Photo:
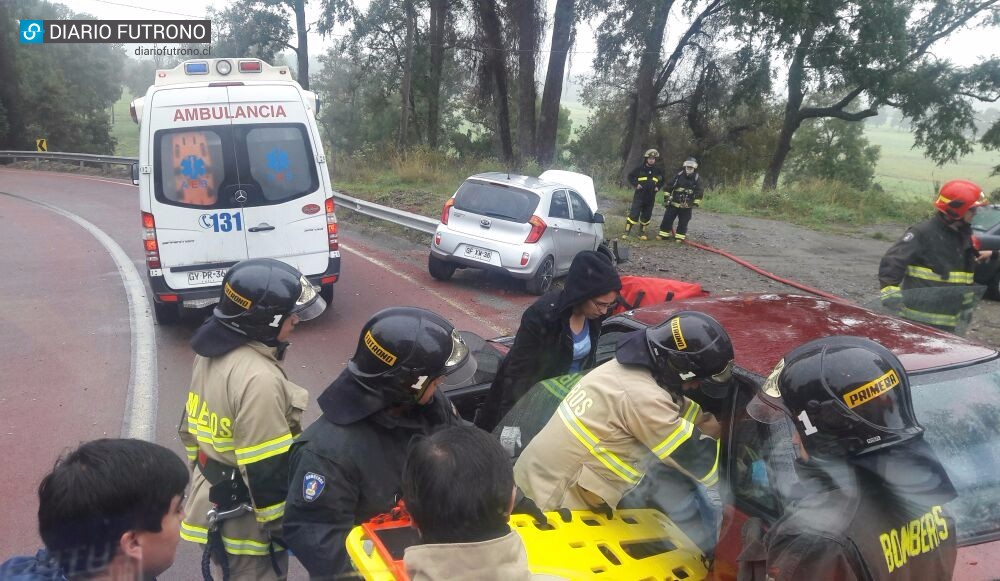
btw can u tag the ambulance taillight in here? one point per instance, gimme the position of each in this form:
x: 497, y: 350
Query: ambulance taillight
x: 331, y: 226
x: 149, y: 241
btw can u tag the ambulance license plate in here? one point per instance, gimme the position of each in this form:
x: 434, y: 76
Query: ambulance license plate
x: 477, y: 253
x: 206, y: 277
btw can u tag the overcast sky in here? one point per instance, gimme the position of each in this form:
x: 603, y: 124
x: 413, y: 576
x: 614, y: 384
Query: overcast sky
x: 964, y: 48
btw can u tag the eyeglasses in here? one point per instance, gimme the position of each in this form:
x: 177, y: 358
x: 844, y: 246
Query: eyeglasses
x: 603, y: 305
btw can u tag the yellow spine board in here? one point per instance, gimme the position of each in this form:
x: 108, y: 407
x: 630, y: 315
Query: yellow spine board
x: 633, y: 544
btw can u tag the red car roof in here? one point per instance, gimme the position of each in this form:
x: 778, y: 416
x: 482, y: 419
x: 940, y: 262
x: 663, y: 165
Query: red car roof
x: 764, y: 327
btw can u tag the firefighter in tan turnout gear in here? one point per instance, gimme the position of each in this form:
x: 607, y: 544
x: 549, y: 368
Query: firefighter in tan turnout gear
x: 589, y: 453
x: 242, y: 414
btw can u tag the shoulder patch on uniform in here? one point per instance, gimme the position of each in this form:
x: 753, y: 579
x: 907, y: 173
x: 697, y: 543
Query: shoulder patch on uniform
x: 908, y: 236
x: 312, y: 486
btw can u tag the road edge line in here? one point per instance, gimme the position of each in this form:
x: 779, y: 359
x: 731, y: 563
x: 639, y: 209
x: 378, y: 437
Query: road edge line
x: 139, y: 416
x: 408, y: 278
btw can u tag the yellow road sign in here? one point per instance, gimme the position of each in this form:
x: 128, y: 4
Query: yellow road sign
x: 42, y: 144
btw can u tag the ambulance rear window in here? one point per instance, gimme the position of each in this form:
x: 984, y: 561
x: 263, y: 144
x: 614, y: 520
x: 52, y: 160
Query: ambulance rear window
x: 191, y: 166
x: 280, y: 161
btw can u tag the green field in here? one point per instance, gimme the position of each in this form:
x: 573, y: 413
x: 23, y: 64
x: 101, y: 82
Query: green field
x: 905, y: 171
x: 124, y: 130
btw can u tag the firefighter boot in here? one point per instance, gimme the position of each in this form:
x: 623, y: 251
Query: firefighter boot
x: 664, y: 235
x: 628, y: 227
x: 679, y: 238
x: 642, y: 230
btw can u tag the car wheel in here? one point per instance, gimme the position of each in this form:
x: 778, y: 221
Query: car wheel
x: 166, y: 313
x: 993, y: 288
x: 542, y: 281
x: 603, y: 249
x: 440, y: 269
x: 326, y: 292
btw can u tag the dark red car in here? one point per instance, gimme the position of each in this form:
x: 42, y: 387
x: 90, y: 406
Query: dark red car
x: 956, y: 393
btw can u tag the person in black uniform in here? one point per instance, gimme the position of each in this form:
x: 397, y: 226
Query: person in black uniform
x: 869, y: 501
x: 938, y: 253
x: 347, y: 466
x: 684, y: 193
x: 647, y: 179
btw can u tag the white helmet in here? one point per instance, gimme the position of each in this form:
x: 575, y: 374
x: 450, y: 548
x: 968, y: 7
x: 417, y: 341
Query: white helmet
x: 691, y: 163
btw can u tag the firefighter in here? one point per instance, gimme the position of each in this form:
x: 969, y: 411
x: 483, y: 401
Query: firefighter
x: 242, y: 413
x: 647, y: 179
x: 683, y: 194
x: 347, y: 466
x: 938, y: 253
x: 870, y: 491
x: 588, y: 454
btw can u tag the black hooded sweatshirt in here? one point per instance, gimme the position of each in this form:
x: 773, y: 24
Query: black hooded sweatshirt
x: 543, y: 346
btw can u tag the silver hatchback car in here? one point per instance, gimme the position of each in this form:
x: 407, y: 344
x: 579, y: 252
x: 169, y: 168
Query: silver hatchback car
x: 530, y: 228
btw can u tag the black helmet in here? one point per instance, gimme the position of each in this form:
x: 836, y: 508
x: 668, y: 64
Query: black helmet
x: 259, y: 294
x: 691, y: 345
x: 845, y: 395
x: 400, y: 345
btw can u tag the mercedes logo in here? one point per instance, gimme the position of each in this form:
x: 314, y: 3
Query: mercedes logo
x: 240, y: 196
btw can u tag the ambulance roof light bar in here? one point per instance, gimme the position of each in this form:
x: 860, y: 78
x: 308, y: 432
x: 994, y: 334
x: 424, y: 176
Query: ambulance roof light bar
x: 208, y: 70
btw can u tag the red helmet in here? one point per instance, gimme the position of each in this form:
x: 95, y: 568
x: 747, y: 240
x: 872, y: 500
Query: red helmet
x: 957, y: 197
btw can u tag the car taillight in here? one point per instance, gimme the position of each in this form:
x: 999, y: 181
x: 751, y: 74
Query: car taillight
x: 149, y: 241
x: 537, y: 229
x: 447, y: 210
x: 331, y: 226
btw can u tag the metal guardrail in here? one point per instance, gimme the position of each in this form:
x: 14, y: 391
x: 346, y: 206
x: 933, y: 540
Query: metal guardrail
x: 81, y: 158
x: 400, y: 217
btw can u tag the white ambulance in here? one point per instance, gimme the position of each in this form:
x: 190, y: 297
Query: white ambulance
x: 230, y: 167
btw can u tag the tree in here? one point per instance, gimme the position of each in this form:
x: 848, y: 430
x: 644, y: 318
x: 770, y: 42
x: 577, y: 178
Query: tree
x: 833, y: 149
x: 870, y: 54
x: 250, y: 28
x: 526, y: 21
x: 548, y: 123
x: 493, y: 74
x: 63, y: 91
x: 405, y: 87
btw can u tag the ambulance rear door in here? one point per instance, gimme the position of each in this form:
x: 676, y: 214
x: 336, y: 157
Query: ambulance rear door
x: 284, y: 214
x: 196, y: 201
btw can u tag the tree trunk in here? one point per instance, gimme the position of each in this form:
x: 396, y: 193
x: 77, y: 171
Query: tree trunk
x: 439, y: 17
x: 497, y: 67
x: 8, y: 88
x: 793, y: 117
x: 548, y: 123
x: 527, y: 37
x: 299, y: 6
x: 645, y: 97
x: 407, y: 81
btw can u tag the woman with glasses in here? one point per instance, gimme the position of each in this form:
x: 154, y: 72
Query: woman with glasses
x: 558, y: 334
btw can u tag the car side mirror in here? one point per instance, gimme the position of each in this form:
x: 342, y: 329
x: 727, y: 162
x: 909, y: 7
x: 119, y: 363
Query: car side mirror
x: 598, y: 218
x: 135, y: 174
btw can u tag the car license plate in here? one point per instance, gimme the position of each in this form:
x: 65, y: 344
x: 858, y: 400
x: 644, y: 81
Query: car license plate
x: 477, y: 253
x: 205, y: 277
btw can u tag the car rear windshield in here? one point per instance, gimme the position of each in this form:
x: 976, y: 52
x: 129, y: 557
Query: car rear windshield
x: 986, y: 218
x: 496, y: 201
x: 204, y: 167
x: 960, y: 412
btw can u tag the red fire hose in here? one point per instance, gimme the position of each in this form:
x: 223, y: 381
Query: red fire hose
x: 763, y: 272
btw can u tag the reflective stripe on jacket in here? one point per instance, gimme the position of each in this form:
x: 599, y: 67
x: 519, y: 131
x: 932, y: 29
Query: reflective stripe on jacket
x: 241, y: 411
x: 596, y: 443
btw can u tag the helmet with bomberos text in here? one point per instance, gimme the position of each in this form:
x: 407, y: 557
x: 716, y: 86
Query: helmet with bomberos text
x: 846, y: 396
x: 957, y: 197
x: 689, y: 346
x: 400, y: 349
x: 258, y: 295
